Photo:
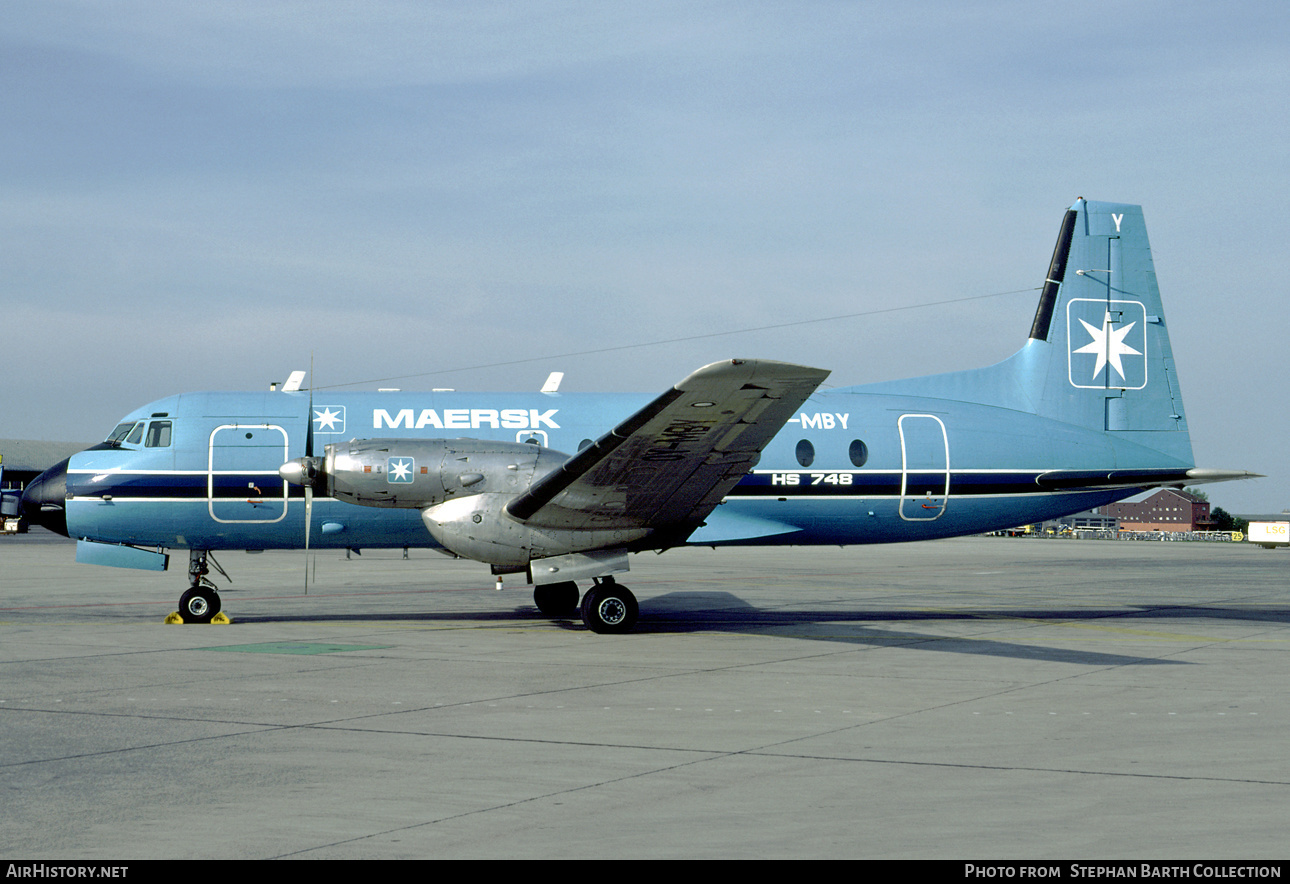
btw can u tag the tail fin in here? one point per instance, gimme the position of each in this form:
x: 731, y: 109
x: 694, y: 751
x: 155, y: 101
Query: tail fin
x: 1100, y: 329
x: 1098, y: 354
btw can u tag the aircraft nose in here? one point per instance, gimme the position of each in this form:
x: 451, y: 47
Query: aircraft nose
x: 44, y: 501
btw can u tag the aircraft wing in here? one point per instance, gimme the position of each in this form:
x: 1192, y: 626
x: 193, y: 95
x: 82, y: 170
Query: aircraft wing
x: 667, y: 466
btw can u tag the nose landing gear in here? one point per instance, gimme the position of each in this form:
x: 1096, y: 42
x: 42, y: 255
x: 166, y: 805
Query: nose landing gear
x: 200, y: 603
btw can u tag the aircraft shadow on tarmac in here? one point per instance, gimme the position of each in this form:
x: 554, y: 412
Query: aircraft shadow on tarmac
x: 724, y: 613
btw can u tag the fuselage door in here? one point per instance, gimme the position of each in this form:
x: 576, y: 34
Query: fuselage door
x: 924, y: 467
x: 242, y: 481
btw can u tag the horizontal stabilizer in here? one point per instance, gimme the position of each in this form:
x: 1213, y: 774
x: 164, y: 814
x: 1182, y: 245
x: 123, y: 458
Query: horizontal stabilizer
x: 1090, y: 480
x: 1201, y: 477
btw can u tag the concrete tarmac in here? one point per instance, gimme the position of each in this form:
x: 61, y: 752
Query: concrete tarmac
x: 979, y: 698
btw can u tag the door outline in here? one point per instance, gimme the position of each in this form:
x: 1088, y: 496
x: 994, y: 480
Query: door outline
x: 921, y: 437
x: 276, y: 506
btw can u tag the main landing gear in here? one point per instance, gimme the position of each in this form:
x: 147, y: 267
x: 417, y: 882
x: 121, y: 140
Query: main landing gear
x: 201, y: 602
x: 557, y: 599
x: 606, y: 608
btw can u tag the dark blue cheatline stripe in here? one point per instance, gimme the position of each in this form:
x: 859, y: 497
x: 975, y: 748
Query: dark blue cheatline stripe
x: 809, y: 483
x: 803, y: 483
x: 850, y: 484
x: 132, y: 486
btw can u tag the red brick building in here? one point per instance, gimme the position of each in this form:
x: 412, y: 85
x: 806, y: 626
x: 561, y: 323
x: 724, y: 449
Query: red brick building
x: 1166, y: 510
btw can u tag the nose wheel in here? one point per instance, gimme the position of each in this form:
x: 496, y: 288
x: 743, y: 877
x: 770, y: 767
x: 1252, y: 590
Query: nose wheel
x: 199, y: 604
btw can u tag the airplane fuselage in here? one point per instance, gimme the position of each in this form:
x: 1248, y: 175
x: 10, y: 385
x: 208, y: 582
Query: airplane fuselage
x: 851, y: 467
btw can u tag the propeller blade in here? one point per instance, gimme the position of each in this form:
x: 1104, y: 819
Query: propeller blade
x: 309, y: 517
x: 309, y: 452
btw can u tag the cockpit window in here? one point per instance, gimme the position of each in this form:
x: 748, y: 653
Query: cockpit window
x: 121, y: 431
x: 158, y: 435
x: 132, y: 433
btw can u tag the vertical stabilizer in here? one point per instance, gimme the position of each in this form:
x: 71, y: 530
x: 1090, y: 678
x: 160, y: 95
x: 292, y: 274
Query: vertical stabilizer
x: 1101, y: 329
x: 1098, y: 355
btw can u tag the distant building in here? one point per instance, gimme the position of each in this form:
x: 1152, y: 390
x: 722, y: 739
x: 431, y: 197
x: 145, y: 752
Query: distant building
x: 24, y: 459
x: 1166, y: 510
x: 1089, y: 520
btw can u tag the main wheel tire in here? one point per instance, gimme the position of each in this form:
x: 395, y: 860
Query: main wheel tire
x: 557, y: 599
x: 199, y: 604
x: 609, y: 608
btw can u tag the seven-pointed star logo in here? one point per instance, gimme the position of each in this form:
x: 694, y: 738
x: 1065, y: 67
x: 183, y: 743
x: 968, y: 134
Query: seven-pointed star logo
x: 400, y: 469
x: 327, y: 419
x: 1108, y: 345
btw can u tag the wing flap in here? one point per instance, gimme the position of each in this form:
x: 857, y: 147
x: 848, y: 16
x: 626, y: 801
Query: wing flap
x: 671, y: 463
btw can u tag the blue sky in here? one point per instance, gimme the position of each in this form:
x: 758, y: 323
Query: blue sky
x: 202, y: 196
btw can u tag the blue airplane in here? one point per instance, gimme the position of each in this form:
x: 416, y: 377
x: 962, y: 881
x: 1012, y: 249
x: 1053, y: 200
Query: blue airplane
x: 743, y: 452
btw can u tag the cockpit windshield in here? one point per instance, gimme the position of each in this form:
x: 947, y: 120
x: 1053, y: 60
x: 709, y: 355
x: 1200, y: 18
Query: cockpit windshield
x: 132, y: 433
x: 122, y: 430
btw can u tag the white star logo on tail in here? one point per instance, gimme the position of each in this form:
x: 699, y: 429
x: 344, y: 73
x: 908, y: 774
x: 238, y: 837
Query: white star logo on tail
x: 1108, y: 345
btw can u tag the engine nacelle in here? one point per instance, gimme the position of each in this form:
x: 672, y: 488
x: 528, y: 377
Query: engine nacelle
x: 414, y: 473
x: 478, y: 527
x: 462, y: 487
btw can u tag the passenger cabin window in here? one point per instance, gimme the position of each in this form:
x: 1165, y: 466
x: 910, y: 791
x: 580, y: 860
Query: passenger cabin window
x: 158, y: 435
x: 805, y: 453
x: 858, y: 452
